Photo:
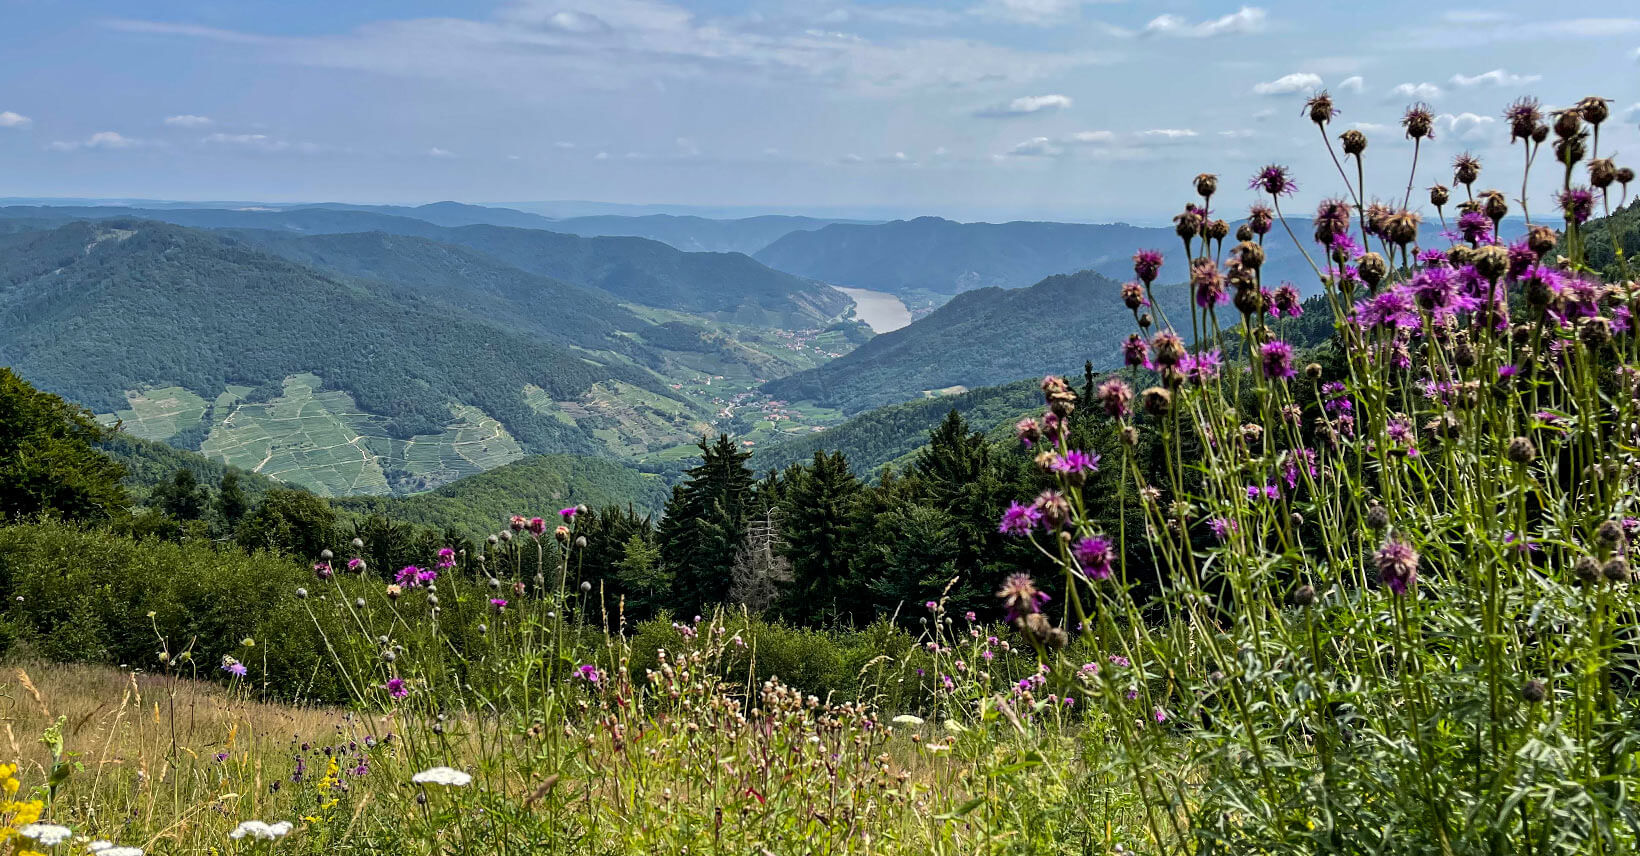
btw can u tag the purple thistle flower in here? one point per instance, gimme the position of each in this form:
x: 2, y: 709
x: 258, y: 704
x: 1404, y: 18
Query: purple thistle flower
x: 1135, y: 353
x: 355, y: 565
x: 568, y: 513
x: 589, y: 673
x: 1147, y: 264
x: 1075, y: 462
x: 1278, y: 360
x: 1095, y: 554
x: 1577, y: 203
x: 498, y: 603
x: 1020, y: 596
x: 446, y: 557
x: 1397, y: 565
x: 1273, y: 180
x: 1199, y: 368
x: 1019, y: 519
x: 322, y: 569
x: 1222, y: 528
x: 395, y: 687
x: 1116, y: 396
x: 1286, y: 301
x: 1208, y: 282
x: 1475, y: 227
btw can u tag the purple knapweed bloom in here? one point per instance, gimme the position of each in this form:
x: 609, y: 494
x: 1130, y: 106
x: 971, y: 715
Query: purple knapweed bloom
x: 1286, y: 301
x: 1075, y: 462
x: 446, y: 558
x: 1095, y: 554
x: 1020, y: 596
x: 1116, y: 397
x: 1577, y: 203
x: 537, y: 526
x: 1475, y: 227
x: 1019, y: 519
x: 395, y: 687
x: 1397, y: 565
x: 355, y: 565
x: 1221, y: 527
x: 589, y: 673
x: 1147, y: 264
x: 1135, y: 353
x: 1273, y: 180
x: 322, y: 569
x: 498, y: 603
x: 568, y: 513
x: 1277, y: 357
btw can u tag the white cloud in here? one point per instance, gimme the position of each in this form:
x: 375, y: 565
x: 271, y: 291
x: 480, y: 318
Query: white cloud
x: 258, y: 143
x: 1631, y: 113
x: 1419, y: 91
x: 1371, y: 127
x: 437, y: 152
x: 99, y: 140
x: 1091, y: 138
x: 1495, y: 77
x: 1353, y: 84
x: 1036, y: 147
x: 647, y: 42
x: 1248, y: 19
x: 851, y: 158
x: 601, y: 156
x: 8, y: 119
x: 1466, y: 127
x: 1025, y: 106
x: 687, y: 147
x: 1475, y: 16
x: 1298, y: 81
x: 1171, y: 133
x: 188, y: 120
x: 1030, y: 11
x: 1240, y: 134
x: 563, y: 144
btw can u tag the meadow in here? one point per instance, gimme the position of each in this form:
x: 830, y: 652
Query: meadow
x: 1393, y: 608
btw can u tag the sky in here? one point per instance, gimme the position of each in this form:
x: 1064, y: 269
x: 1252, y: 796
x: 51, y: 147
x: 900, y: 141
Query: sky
x: 971, y: 109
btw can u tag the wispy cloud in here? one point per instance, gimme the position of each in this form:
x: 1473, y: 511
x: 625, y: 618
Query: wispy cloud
x: 1171, y: 133
x: 188, y: 120
x: 1025, y: 106
x: 258, y: 143
x: 1354, y: 83
x: 1422, y: 91
x: 1103, y: 143
x: 9, y: 119
x: 1288, y: 84
x: 1495, y: 77
x: 437, y: 152
x: 1466, y: 127
x: 1248, y: 19
x: 99, y: 140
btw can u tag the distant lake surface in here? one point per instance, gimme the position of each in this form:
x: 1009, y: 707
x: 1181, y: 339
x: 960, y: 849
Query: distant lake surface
x: 881, y: 311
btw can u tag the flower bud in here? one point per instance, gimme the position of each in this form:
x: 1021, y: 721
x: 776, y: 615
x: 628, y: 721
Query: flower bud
x: 1304, y: 595
x: 1157, y: 401
x: 1520, y: 451
x: 1377, y: 517
x: 1372, y: 268
x: 1586, y: 569
x: 1492, y: 262
x: 358, y: 543
x: 1439, y: 195
x: 1355, y: 142
x: 1250, y: 254
x: 1616, y: 570
x: 1534, y: 691
x: 1608, y: 534
x: 1594, y: 109
x: 1541, y: 240
x: 1244, y: 232
x: 1568, y: 123
x: 1207, y: 184
x: 1602, y: 172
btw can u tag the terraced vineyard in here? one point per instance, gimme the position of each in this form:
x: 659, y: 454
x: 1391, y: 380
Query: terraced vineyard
x: 319, y: 438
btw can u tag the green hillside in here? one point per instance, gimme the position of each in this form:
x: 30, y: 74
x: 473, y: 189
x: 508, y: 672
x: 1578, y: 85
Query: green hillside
x: 981, y: 338
x: 891, y: 433
x: 535, y: 486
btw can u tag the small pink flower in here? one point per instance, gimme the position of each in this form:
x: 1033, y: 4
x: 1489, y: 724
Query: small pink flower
x: 395, y: 687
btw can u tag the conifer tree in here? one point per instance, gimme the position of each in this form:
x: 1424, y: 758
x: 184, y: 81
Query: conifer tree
x: 48, y: 458
x: 704, y: 525
x: 815, y: 512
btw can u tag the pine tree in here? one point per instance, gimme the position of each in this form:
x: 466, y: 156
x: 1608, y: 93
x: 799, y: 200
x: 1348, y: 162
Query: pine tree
x: 704, y: 525
x: 48, y: 458
x: 231, y: 501
x: 814, y: 524
x: 181, y: 498
x: 760, y: 573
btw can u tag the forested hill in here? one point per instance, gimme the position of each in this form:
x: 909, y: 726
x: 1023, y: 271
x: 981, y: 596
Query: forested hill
x: 980, y: 338
x: 894, y: 432
x: 726, y: 286
x: 91, y: 310
x: 933, y: 254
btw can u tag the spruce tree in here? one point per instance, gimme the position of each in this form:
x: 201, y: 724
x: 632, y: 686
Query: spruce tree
x: 704, y: 525
x: 815, y: 512
x: 231, y: 501
x: 48, y: 457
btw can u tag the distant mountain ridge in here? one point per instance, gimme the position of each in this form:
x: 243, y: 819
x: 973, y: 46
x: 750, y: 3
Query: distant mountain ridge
x: 696, y: 234
x: 984, y: 337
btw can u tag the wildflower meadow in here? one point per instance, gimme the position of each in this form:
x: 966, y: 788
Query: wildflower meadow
x: 1392, y: 607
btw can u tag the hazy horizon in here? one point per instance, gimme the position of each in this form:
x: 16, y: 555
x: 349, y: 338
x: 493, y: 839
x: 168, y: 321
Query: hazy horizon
x: 973, y: 110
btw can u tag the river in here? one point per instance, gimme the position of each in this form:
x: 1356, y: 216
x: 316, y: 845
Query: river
x: 881, y: 311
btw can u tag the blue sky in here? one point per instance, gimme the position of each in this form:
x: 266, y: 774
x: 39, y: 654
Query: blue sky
x: 975, y: 109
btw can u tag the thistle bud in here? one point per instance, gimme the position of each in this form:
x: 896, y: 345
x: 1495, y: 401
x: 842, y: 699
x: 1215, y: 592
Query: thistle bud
x: 1377, y: 517
x: 1145, y: 321
x: 1595, y: 332
x: 1216, y: 230
x: 1492, y: 262
x: 1540, y: 133
x: 586, y: 587
x: 1624, y: 176
x: 1402, y: 227
x: 358, y: 543
x: 1354, y: 142
x: 1616, y: 570
x: 580, y: 542
x: 1373, y: 269
x: 1608, y: 534
x: 1320, y: 108
x: 1602, y: 172
x: 1206, y: 184
x: 1586, y: 570
x: 1541, y: 240
x: 1570, y: 150
x: 1594, y: 109
x: 1439, y: 195
x: 1520, y: 450
x: 1130, y: 436
x: 1250, y: 254
x: 1465, y: 169
x: 1496, y: 205
x: 326, y: 555
x: 1157, y: 401
x: 1244, y: 232
x: 1534, y: 691
x: 1313, y: 371
x: 1568, y: 123
x: 1304, y: 596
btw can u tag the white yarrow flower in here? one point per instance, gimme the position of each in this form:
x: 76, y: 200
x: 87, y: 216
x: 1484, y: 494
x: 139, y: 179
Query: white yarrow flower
x: 258, y: 830
x: 908, y: 719
x: 48, y: 834
x: 442, y: 776
x: 109, y: 848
